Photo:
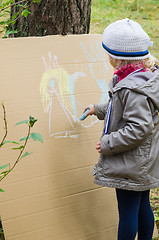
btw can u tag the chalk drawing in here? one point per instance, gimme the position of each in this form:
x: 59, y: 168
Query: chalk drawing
x: 57, y: 82
x: 96, y: 57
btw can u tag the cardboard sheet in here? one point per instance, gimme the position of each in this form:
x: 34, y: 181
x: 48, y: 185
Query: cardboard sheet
x: 51, y: 195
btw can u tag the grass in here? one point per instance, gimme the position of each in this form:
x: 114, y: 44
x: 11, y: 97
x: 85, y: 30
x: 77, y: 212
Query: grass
x: 144, y: 12
x: 154, y: 199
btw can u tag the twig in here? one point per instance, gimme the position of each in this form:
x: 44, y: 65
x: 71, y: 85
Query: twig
x: 12, y: 5
x: 13, y: 20
x: 19, y: 156
x: 5, y: 123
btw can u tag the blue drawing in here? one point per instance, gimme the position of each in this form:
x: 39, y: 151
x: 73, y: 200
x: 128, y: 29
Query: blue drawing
x: 96, y: 56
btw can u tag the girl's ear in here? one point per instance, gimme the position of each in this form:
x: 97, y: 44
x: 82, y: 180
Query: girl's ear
x: 115, y: 62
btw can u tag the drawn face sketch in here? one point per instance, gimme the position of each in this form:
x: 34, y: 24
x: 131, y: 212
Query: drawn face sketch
x: 98, y: 66
x: 57, y: 82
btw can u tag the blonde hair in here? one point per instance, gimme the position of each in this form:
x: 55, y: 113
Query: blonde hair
x: 149, y: 63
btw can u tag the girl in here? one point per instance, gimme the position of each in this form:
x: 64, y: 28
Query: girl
x: 129, y: 146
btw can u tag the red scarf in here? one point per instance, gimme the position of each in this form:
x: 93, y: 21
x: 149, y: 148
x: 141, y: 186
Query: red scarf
x: 124, y: 71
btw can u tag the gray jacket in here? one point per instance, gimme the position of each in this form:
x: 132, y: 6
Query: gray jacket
x: 130, y: 150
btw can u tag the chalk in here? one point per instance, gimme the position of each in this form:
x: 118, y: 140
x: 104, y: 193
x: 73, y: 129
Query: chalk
x: 84, y: 115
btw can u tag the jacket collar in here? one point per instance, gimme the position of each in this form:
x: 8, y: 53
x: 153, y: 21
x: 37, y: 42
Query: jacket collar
x: 131, y: 82
x: 128, y: 69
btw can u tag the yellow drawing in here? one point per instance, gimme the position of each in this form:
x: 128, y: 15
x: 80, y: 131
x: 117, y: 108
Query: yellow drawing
x: 57, y: 81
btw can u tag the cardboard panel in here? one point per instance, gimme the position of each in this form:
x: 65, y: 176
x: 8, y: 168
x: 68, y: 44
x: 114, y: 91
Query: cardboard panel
x: 51, y: 194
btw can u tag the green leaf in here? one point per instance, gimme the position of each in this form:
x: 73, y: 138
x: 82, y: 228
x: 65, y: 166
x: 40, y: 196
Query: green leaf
x: 10, y: 142
x: 4, y: 166
x: 18, y: 148
x: 25, y: 154
x: 1, y: 190
x: 9, y: 32
x: 36, y: 1
x: 24, y: 138
x: 24, y: 121
x: 25, y: 13
x: 6, y: 171
x: 2, y: 22
x: 8, y: 21
x: 32, y: 121
x: 2, y: 15
x: 36, y: 137
x: 22, y: 6
x: 7, y: 11
x: 5, y: 4
x: 15, y: 15
x: 156, y: 218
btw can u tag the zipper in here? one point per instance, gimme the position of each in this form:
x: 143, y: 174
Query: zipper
x: 107, y: 121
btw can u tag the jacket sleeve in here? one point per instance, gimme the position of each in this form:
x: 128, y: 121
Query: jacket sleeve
x: 100, y: 110
x: 139, y: 124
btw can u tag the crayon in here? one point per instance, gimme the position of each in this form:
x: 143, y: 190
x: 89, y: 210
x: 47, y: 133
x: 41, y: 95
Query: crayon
x: 84, y: 115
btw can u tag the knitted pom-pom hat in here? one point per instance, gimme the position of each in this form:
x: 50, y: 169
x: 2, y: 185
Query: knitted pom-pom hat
x: 125, y: 39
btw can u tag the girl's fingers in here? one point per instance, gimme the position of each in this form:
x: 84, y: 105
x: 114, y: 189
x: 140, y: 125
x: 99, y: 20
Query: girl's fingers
x: 88, y: 113
x: 91, y: 111
x: 86, y: 108
x: 98, y: 146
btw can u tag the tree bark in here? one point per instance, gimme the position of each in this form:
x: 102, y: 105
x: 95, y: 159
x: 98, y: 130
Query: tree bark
x: 51, y: 17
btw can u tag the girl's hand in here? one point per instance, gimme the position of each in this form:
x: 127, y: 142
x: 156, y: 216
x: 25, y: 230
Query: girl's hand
x: 98, y: 147
x: 91, y: 111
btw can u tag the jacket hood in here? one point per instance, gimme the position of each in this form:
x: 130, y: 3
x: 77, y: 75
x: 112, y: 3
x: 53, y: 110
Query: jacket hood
x: 146, y: 83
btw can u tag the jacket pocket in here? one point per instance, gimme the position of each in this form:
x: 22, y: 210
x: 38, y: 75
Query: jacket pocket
x: 130, y: 165
x: 135, y: 162
x: 134, y: 165
x: 146, y: 146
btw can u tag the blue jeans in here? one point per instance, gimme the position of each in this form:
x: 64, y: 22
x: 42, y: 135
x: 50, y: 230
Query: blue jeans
x: 135, y: 215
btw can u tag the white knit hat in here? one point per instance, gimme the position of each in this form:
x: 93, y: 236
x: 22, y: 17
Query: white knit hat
x: 125, y: 39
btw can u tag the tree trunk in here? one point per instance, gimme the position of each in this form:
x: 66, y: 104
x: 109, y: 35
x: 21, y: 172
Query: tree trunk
x: 51, y: 17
